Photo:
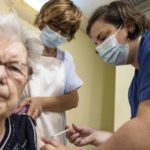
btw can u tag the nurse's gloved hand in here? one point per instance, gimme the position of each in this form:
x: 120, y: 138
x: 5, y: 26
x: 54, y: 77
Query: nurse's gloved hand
x: 34, y: 105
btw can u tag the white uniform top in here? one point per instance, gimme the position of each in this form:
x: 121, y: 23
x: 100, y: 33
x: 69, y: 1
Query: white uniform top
x: 53, y: 77
x: 72, y: 80
x: 48, y: 80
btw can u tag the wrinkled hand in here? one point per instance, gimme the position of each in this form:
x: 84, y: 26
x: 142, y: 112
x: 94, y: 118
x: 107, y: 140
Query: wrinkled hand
x: 51, y: 144
x: 81, y: 136
x: 34, y: 104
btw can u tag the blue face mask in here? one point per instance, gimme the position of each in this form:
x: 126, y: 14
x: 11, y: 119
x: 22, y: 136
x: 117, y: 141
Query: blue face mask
x: 51, y: 38
x: 112, y: 52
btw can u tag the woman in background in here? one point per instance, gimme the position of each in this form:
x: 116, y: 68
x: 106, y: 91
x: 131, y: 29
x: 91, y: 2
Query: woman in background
x: 54, y: 89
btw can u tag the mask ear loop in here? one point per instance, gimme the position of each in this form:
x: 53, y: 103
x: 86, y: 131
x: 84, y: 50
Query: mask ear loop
x: 118, y: 29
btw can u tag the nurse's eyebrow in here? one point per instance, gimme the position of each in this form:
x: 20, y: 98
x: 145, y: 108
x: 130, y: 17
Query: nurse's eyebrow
x: 98, y: 37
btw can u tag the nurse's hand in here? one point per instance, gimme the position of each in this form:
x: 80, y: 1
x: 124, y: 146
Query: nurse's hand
x: 83, y: 135
x: 34, y: 105
x: 51, y: 144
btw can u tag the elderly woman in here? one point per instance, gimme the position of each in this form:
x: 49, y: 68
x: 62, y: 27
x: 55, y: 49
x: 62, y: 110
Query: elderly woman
x: 16, y: 52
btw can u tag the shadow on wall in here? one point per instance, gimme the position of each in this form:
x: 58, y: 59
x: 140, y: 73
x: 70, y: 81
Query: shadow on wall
x: 104, y: 105
x: 108, y: 103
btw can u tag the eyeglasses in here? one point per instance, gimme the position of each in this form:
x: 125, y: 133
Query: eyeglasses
x: 17, y: 70
x: 55, y: 27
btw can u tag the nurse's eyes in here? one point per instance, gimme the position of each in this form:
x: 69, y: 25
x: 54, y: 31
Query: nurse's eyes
x: 101, y: 38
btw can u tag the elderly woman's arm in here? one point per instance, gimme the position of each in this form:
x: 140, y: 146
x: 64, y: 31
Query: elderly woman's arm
x: 44, y: 143
x: 50, y: 144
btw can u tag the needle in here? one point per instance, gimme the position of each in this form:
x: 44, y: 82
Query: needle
x: 62, y: 132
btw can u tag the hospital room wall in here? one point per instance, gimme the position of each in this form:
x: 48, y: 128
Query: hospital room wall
x: 96, y: 104
x: 3, y: 6
x: 124, y: 75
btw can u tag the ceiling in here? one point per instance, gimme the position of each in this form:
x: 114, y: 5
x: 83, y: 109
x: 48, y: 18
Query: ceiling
x: 87, y: 6
x: 28, y: 13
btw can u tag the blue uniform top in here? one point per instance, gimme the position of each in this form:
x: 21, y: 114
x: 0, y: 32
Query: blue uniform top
x: 140, y: 86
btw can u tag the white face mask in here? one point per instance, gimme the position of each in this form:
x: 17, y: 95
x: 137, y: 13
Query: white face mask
x: 51, y: 38
x: 112, y: 52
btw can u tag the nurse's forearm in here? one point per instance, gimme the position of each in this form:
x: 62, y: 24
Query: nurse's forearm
x: 134, y: 135
x: 60, y: 103
x: 127, y: 137
x: 101, y: 137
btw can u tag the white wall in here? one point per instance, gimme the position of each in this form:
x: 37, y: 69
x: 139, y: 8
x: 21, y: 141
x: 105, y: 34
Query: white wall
x: 4, y: 7
x: 96, y: 104
x: 124, y: 76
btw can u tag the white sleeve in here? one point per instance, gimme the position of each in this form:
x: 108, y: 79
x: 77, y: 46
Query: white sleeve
x: 72, y: 80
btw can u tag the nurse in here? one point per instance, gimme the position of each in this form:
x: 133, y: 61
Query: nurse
x: 54, y: 88
x: 122, y: 36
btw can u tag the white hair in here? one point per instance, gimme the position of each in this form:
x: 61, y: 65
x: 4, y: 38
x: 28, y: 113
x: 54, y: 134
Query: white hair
x: 11, y: 27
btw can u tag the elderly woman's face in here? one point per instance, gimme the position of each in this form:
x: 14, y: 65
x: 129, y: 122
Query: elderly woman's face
x: 13, y: 74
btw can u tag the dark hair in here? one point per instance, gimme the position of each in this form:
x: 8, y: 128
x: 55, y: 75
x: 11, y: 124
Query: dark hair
x: 62, y: 13
x: 118, y: 13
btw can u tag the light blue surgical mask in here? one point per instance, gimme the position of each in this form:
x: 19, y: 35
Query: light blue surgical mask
x: 51, y: 38
x: 112, y: 52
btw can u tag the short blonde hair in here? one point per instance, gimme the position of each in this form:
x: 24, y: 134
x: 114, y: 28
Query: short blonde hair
x: 61, y: 13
